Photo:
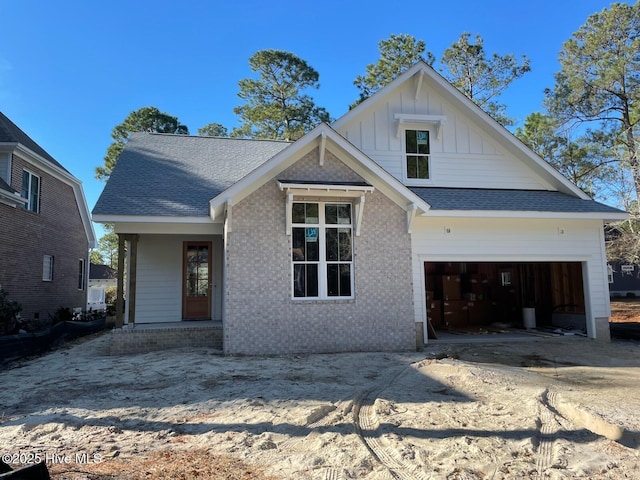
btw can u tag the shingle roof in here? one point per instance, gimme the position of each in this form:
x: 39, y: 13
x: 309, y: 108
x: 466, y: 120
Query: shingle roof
x: 11, y: 133
x: 177, y: 175
x: 507, y: 200
x: 102, y: 272
x: 5, y: 186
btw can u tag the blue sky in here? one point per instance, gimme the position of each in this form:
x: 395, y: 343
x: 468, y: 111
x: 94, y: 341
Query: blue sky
x: 70, y: 71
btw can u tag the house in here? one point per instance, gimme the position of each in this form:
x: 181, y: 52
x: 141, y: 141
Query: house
x: 624, y: 279
x: 101, y: 277
x: 414, y: 209
x: 46, y: 229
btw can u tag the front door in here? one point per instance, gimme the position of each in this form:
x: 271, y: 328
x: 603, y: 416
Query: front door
x: 196, y: 286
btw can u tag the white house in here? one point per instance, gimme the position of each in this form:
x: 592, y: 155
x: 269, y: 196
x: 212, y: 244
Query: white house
x: 415, y: 206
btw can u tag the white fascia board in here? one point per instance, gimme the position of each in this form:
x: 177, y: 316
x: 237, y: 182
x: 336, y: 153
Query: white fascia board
x: 526, y: 214
x: 148, y: 219
x: 328, y: 188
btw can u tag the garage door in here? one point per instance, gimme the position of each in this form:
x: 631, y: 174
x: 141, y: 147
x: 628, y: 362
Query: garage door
x: 485, y: 297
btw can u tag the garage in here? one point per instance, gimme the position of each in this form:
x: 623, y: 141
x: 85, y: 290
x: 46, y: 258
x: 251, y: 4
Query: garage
x: 492, y: 297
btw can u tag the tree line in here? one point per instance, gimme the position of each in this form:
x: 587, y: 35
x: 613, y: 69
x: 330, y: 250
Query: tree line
x: 587, y: 129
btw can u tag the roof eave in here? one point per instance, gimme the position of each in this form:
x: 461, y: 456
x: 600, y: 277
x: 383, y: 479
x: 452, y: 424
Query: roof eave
x: 604, y: 216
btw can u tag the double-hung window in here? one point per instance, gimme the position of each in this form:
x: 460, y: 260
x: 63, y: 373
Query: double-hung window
x: 31, y: 191
x: 322, y: 250
x: 417, y: 153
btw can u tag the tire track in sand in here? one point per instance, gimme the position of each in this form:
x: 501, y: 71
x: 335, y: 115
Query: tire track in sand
x: 366, y: 424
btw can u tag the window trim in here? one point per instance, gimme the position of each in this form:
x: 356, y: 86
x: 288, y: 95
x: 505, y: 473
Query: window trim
x: 82, y: 274
x: 322, y: 261
x: 405, y: 175
x: 31, y: 175
x: 47, y: 268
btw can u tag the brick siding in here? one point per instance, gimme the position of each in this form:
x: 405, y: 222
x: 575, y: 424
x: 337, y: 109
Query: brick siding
x: 261, y: 316
x: 141, y: 340
x: 25, y: 237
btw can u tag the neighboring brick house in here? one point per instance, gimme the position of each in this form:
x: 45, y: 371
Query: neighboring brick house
x: 45, y: 228
x: 343, y: 240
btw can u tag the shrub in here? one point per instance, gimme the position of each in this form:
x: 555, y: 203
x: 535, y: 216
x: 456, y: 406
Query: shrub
x: 631, y: 295
x: 9, y: 311
x: 62, y: 314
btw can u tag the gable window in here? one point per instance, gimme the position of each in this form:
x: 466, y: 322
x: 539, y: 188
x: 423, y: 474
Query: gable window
x: 31, y: 191
x: 47, y: 268
x: 322, y: 250
x: 81, y: 274
x: 417, y: 153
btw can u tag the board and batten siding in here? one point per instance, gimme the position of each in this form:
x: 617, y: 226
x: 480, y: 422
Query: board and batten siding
x: 159, y: 277
x: 463, y: 156
x: 513, y: 240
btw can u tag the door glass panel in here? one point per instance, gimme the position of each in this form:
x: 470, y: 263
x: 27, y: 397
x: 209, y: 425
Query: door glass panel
x: 197, y: 271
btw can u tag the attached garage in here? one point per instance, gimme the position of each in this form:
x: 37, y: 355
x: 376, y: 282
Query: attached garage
x: 485, y: 297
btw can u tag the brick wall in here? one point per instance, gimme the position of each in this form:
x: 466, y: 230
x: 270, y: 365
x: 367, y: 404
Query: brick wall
x: 142, y: 340
x: 262, y: 317
x: 25, y: 237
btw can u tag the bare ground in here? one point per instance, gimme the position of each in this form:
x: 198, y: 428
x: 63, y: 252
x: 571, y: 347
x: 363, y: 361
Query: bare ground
x: 562, y: 408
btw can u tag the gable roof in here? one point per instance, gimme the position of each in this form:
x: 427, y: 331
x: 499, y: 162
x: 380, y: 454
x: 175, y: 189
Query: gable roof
x: 12, y: 134
x: 458, y: 201
x: 165, y: 175
x: 13, y: 137
x: 325, y: 137
x: 426, y: 76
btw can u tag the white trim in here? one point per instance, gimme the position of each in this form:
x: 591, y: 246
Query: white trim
x: 326, y: 190
x: 526, y: 214
x: 415, y: 182
x: 322, y: 261
x: 148, y: 219
x: 406, y: 120
x: 323, y: 148
x: 13, y: 199
x: 411, y: 215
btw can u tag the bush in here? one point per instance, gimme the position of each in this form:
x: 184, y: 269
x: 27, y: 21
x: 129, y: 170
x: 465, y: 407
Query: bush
x: 631, y: 295
x: 9, y: 310
x: 62, y: 314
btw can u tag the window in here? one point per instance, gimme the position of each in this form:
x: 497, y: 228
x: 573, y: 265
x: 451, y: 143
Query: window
x: 31, y: 191
x: 417, y: 152
x: 47, y: 268
x: 610, y: 273
x: 81, y: 274
x: 322, y: 251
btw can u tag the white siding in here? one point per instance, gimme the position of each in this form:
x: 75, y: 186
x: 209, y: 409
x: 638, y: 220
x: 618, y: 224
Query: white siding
x: 496, y: 240
x: 464, y: 155
x: 159, y: 285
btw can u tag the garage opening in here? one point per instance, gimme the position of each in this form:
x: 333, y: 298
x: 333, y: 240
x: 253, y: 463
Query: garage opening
x: 489, y: 297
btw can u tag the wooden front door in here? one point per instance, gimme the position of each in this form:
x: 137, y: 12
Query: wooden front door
x: 196, y: 286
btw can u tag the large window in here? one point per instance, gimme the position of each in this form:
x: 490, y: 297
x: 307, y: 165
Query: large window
x: 417, y: 152
x: 31, y: 190
x: 322, y: 251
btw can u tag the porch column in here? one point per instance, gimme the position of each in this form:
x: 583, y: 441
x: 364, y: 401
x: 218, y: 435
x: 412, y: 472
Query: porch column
x: 120, y: 288
x: 133, y: 261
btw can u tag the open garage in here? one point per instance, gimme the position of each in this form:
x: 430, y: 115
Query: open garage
x: 487, y: 297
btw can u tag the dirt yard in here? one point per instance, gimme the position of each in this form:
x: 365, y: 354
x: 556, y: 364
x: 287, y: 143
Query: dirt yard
x: 623, y: 311
x: 553, y: 409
